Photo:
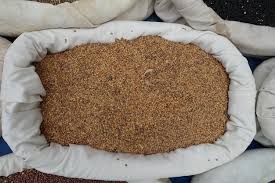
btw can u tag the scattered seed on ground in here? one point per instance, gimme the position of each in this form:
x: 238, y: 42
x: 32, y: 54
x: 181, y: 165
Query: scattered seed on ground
x: 258, y: 12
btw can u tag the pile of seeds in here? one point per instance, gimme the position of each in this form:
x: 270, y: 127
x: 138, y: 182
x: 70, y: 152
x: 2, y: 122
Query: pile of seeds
x: 33, y: 176
x: 54, y: 2
x: 144, y: 96
x: 259, y: 12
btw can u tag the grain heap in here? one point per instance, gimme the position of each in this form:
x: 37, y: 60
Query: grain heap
x: 144, y: 96
x: 54, y: 2
x: 259, y: 12
x: 33, y: 176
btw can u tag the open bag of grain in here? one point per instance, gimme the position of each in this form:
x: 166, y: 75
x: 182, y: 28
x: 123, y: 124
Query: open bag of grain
x: 254, y: 166
x: 127, y: 101
x: 249, y: 24
x: 18, y: 16
x: 265, y: 85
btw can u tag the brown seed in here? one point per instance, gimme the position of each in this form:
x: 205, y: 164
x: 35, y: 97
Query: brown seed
x: 33, y: 176
x: 144, y: 96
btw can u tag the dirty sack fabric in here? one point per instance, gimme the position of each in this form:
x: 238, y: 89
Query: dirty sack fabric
x: 254, y: 40
x: 4, y: 45
x: 254, y: 166
x: 265, y: 107
x: 22, y: 91
x: 18, y: 16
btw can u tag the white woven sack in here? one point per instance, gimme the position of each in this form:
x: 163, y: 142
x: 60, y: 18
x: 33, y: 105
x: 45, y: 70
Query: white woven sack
x: 18, y: 16
x: 10, y: 164
x: 22, y: 89
x: 250, y: 39
x: 4, y: 45
x: 265, y: 109
x: 254, y: 166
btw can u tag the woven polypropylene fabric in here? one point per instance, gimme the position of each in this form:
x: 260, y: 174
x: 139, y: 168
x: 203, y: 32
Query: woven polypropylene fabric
x: 258, y: 12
